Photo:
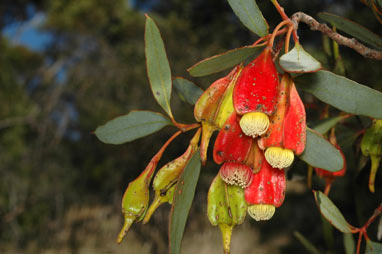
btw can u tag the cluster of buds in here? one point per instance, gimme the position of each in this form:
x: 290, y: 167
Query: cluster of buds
x: 262, y: 126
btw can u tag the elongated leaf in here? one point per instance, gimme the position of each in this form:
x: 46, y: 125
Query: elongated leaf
x: 250, y: 15
x: 187, y: 91
x: 158, y: 68
x: 299, y: 61
x: 349, y: 243
x: 326, y: 124
x: 223, y: 61
x: 331, y: 212
x: 183, y: 196
x: 373, y: 247
x: 306, y: 243
x: 132, y: 126
x: 353, y: 29
x: 342, y: 93
x: 319, y: 153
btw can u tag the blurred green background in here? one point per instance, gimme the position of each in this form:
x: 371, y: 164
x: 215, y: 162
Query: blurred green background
x: 67, y: 67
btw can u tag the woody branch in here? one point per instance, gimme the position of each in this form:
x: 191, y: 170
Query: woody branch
x: 340, y: 39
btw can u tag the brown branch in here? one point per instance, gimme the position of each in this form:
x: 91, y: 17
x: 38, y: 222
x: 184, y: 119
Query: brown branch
x: 342, y: 40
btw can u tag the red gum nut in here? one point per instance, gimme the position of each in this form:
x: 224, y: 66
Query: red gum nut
x: 231, y: 144
x: 266, y: 192
x: 236, y: 174
x: 257, y: 87
x: 295, y: 123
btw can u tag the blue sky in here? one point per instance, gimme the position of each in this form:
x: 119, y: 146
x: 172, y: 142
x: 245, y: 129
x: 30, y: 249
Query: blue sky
x: 28, y: 33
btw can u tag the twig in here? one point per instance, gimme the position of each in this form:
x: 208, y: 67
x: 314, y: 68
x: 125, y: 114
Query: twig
x: 342, y: 40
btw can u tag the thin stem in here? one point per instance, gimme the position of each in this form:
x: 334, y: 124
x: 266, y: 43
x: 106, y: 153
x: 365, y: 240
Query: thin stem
x: 283, y: 15
x: 185, y: 127
x: 359, y: 242
x: 309, y: 177
x: 282, y: 23
x: 158, y: 155
x: 287, y: 39
x: 282, y: 31
x: 377, y: 212
x: 328, y: 185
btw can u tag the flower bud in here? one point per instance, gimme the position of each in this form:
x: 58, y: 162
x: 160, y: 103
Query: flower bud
x: 231, y: 144
x: 214, y: 106
x: 286, y: 135
x: 226, y: 208
x: 256, y: 92
x: 135, y: 201
x: 371, y: 145
x: 266, y: 192
x: 167, y: 177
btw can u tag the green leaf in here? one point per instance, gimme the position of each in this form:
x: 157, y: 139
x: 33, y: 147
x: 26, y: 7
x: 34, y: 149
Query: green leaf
x: 158, y: 68
x: 187, y: 90
x: 353, y: 29
x: 331, y: 212
x: 183, y: 196
x: 342, y: 93
x: 349, y: 243
x: 325, y: 125
x: 250, y: 15
x: 306, y: 243
x: 223, y: 61
x: 373, y: 247
x: 319, y: 153
x: 299, y: 61
x: 132, y: 126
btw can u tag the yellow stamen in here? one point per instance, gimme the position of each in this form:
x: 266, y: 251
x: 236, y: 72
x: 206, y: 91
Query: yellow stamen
x: 261, y: 211
x: 278, y: 157
x: 254, y: 124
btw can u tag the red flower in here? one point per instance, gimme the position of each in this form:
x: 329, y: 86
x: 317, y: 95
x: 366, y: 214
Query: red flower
x: 286, y: 135
x: 232, y: 147
x: 255, y: 94
x: 266, y: 192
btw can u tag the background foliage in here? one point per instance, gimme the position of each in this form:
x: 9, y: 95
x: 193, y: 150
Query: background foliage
x: 61, y: 188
